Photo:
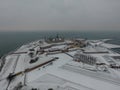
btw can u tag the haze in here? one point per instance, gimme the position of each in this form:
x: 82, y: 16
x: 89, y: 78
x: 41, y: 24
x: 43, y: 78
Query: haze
x: 41, y: 15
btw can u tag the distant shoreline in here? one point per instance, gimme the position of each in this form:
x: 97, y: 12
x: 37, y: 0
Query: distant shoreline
x: 9, y: 41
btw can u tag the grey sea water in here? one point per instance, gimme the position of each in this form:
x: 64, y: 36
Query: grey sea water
x: 11, y: 40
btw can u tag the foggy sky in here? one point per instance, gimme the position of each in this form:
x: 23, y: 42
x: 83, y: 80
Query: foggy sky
x: 28, y: 15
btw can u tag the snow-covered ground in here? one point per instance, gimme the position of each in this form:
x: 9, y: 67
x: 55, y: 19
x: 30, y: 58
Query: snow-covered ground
x: 107, y: 45
x: 61, y: 74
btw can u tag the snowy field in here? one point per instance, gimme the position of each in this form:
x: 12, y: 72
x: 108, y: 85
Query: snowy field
x: 63, y: 73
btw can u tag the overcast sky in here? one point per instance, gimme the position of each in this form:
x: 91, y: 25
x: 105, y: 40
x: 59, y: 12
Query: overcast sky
x: 41, y: 15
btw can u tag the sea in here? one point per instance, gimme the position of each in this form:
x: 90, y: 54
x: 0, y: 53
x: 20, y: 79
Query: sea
x: 11, y: 40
